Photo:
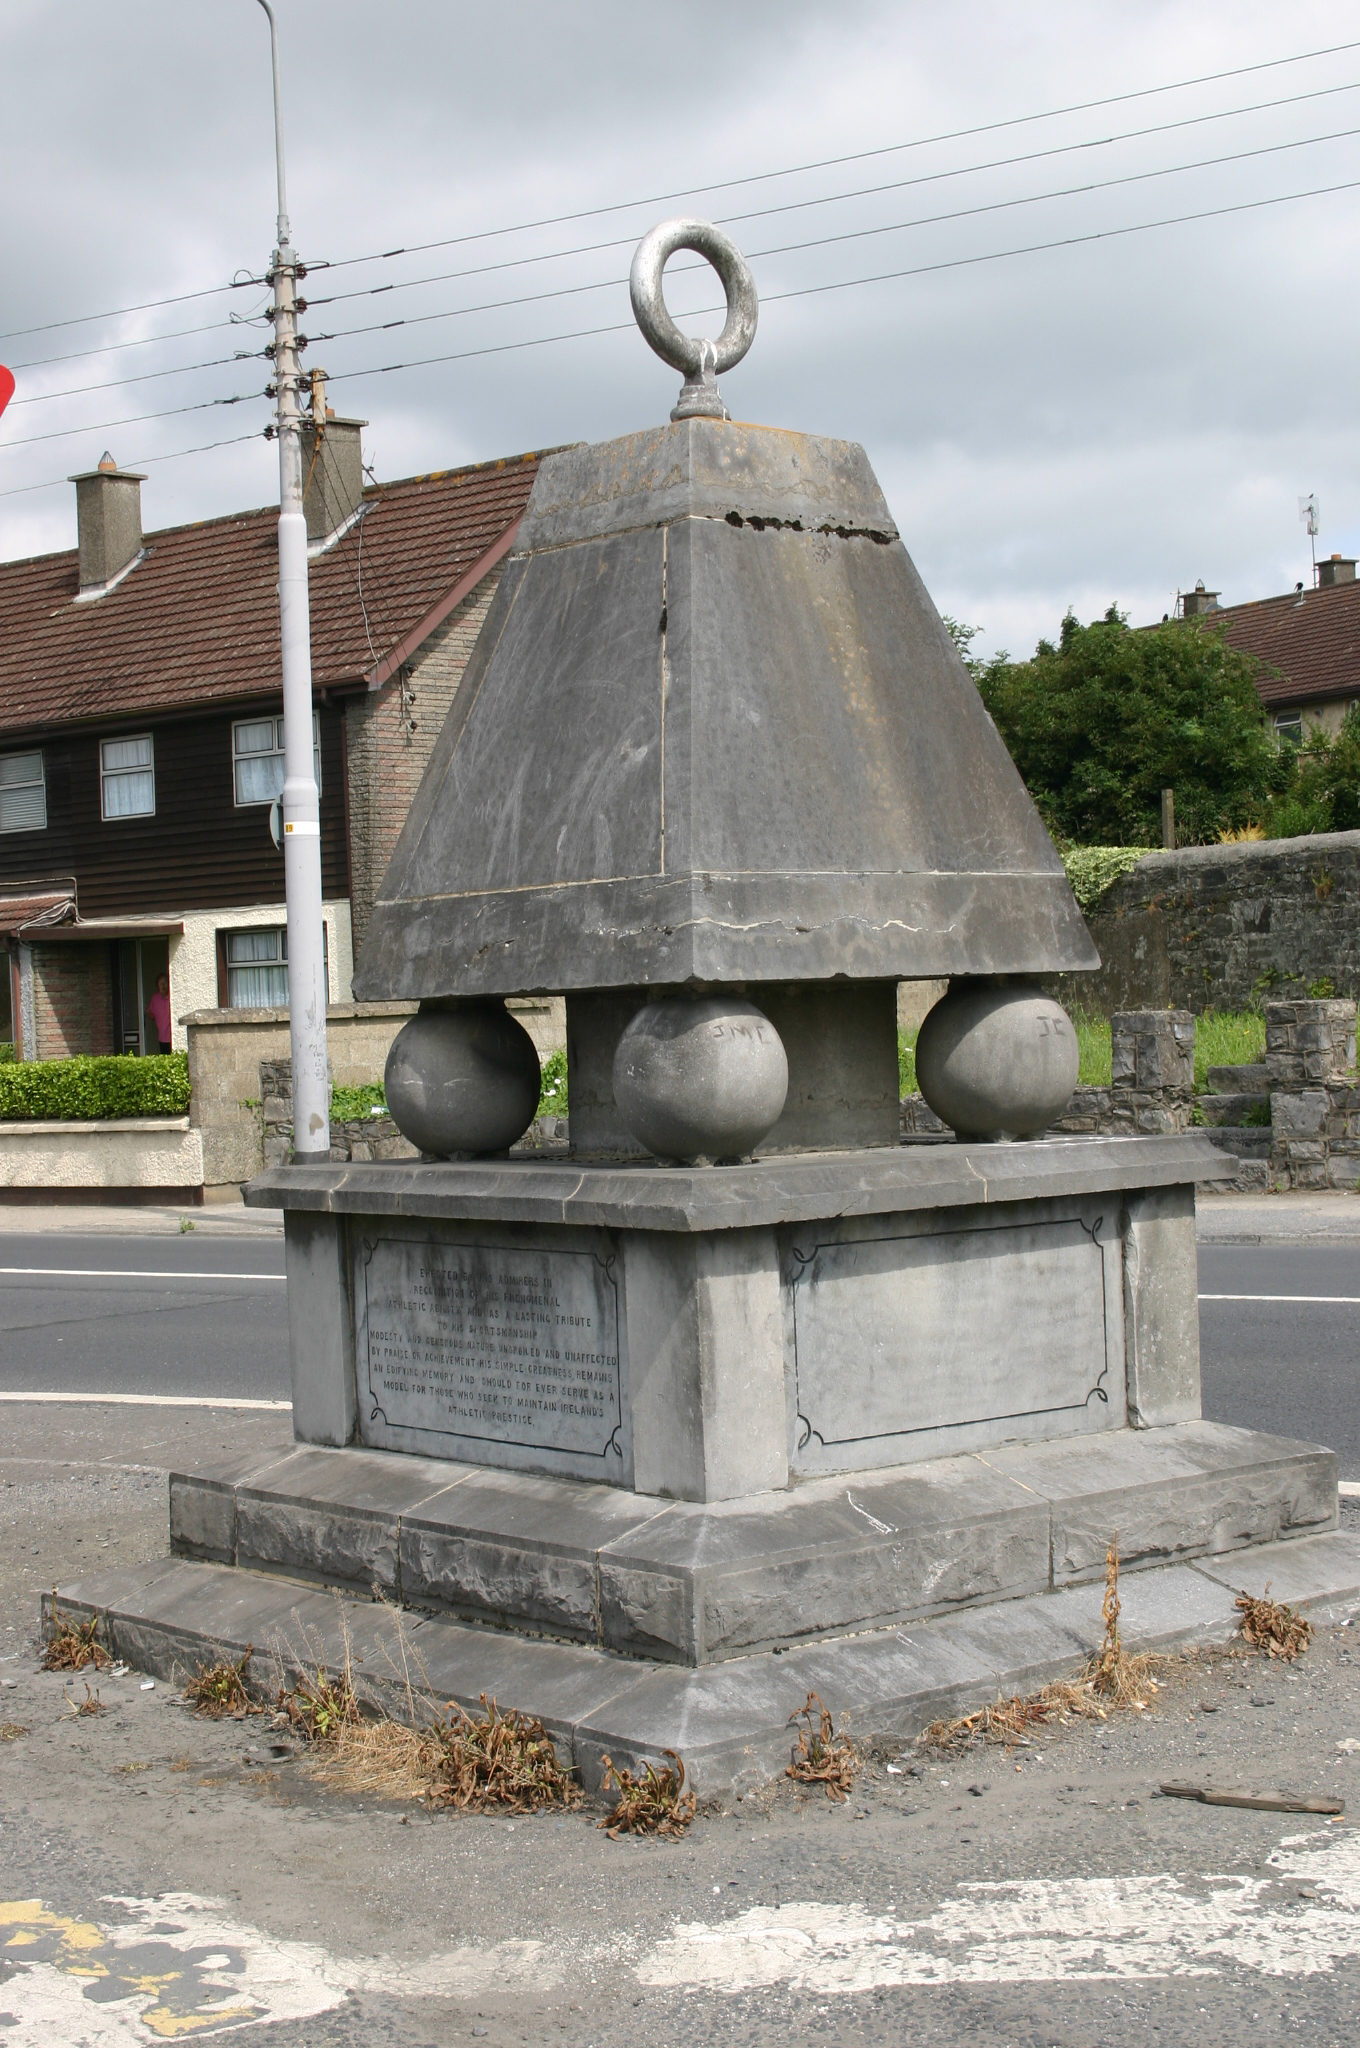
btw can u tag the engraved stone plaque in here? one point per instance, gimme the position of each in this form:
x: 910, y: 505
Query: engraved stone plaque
x: 504, y: 1354
x: 914, y: 1346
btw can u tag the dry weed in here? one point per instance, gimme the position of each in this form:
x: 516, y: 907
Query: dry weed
x: 499, y: 1762
x: 217, y: 1690
x: 91, y: 1704
x: 74, y: 1644
x: 10, y: 1731
x: 819, y: 1756
x: 506, y: 1760
x: 1271, y: 1626
x: 654, y: 1804
x: 319, y: 1706
x: 1112, y: 1679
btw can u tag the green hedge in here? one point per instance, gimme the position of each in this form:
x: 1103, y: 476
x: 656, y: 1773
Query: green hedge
x: 63, y: 1090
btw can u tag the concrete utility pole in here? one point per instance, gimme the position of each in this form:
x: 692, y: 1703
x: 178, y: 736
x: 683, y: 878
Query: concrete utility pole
x: 301, y: 806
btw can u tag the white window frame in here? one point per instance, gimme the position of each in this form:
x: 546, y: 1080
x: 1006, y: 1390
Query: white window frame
x: 275, y: 753
x: 280, y: 959
x: 108, y: 775
x: 35, y: 782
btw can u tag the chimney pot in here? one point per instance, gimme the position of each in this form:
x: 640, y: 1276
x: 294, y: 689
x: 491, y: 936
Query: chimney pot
x: 1195, y: 603
x: 1339, y: 570
x: 108, y: 523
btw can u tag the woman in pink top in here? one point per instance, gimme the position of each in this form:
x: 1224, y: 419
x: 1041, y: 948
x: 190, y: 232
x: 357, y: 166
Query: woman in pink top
x: 158, y: 1010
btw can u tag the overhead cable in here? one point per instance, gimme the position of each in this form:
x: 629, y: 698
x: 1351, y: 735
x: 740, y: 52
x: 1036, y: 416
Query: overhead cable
x: 848, y: 235
x: 136, y: 462
x: 826, y: 199
x: 728, y: 184
x: 850, y: 283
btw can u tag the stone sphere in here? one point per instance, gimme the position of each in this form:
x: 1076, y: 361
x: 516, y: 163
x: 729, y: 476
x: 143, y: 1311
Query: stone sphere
x: 700, y: 1077
x: 997, y: 1059
x: 462, y: 1078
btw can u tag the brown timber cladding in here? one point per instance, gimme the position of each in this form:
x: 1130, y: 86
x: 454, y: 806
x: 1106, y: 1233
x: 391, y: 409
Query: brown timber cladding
x: 199, y: 851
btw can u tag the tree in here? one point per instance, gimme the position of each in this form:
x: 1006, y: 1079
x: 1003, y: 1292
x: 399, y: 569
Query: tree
x: 1319, y: 784
x: 1100, y: 724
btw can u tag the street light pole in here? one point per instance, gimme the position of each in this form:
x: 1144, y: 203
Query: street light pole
x: 301, y: 805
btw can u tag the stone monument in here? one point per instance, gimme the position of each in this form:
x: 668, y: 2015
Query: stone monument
x: 743, y: 1372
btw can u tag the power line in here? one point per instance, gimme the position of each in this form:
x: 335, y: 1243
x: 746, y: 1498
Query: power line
x: 134, y: 419
x: 837, y: 198
x: 854, y: 234
x: 756, y: 255
x: 210, y: 291
x: 137, y: 462
x: 108, y: 348
x: 696, y: 191
x: 833, y: 162
x: 144, y: 377
x: 878, y: 277
x: 933, y: 177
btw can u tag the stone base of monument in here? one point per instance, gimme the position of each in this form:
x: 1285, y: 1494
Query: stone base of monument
x: 728, y: 1720
x: 652, y: 1451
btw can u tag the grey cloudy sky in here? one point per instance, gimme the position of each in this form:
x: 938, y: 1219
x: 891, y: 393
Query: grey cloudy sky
x: 1102, y: 421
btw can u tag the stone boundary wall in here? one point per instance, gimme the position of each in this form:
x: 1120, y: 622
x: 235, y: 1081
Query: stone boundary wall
x: 130, y: 1158
x: 226, y: 1048
x: 241, y: 1090
x: 1225, y: 926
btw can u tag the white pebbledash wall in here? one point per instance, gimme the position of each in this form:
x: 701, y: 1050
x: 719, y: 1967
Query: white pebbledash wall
x: 193, y: 957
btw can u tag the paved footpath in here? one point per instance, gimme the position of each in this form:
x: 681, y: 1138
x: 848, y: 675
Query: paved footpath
x: 162, y: 1877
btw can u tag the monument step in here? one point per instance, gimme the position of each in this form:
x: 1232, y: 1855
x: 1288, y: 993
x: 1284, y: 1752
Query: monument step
x: 694, y: 1584
x: 729, y: 1721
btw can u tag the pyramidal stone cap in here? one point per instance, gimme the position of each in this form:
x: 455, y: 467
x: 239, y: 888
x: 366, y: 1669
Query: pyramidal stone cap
x: 714, y: 731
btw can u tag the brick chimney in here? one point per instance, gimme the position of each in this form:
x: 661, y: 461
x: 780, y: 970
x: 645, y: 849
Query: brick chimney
x: 1337, y: 570
x: 332, y: 466
x: 1195, y: 603
x: 108, y: 525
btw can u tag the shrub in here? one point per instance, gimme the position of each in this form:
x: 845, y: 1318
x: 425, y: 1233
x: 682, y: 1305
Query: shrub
x: 1093, y: 869
x: 349, y: 1104
x: 552, y: 1100
x: 7, y: 1052
x: 80, y: 1088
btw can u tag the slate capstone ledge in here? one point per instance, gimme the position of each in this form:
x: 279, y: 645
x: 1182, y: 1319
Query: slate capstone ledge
x: 790, y: 1188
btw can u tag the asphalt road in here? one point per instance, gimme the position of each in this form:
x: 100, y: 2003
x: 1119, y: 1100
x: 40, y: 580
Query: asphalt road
x: 1287, y: 1365
x: 198, y: 1316
x: 110, y: 1314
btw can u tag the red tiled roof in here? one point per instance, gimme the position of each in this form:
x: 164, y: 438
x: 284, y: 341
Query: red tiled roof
x: 1310, y: 651
x: 197, y: 622
x: 37, y: 905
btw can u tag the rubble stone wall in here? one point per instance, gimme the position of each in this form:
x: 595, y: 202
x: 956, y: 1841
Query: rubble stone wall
x: 1227, y: 926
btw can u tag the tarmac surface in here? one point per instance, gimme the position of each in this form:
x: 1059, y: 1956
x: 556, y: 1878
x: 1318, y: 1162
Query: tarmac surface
x: 165, y: 1877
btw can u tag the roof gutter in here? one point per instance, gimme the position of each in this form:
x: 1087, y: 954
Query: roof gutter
x: 418, y: 634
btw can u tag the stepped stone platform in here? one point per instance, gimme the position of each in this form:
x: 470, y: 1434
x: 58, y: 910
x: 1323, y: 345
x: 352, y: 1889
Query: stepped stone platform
x: 728, y: 1720
x: 693, y: 1583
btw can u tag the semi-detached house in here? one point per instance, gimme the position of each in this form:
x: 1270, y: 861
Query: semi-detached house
x: 141, y: 734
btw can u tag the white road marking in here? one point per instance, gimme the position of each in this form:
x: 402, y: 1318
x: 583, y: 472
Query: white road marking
x: 1040, y: 1930
x: 1328, y: 1300
x: 147, y: 1400
x: 179, y: 1966
x: 123, y: 1273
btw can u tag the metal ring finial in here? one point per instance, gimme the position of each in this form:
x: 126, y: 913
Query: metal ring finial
x: 700, y: 360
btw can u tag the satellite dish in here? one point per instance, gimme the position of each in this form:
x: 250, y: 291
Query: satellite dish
x: 276, y: 823
x: 1308, y: 513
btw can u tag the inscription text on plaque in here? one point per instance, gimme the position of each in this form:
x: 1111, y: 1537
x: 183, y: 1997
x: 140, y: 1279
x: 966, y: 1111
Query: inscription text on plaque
x: 500, y: 1345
